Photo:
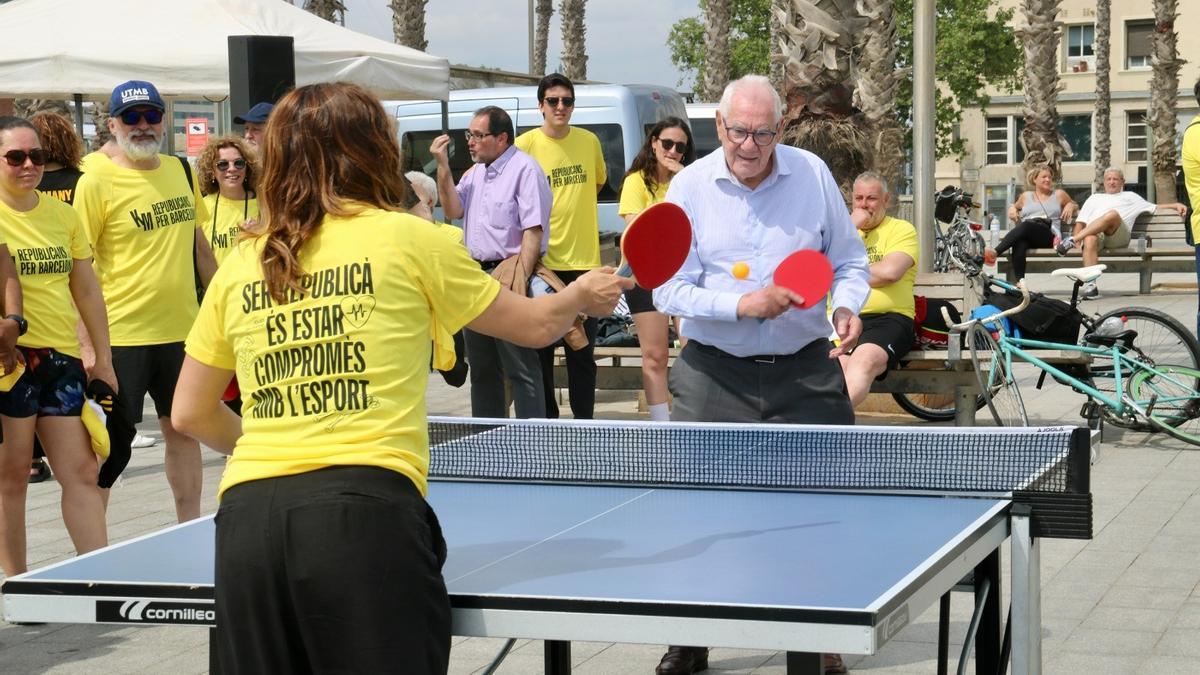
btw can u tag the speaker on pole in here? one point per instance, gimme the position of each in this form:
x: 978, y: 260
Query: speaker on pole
x: 261, y: 68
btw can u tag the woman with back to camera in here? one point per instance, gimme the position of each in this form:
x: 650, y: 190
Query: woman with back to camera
x: 668, y: 148
x: 227, y: 171
x: 1038, y: 215
x: 328, y: 558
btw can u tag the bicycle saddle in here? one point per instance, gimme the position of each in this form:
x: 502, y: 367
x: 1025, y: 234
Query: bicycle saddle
x: 1081, y: 274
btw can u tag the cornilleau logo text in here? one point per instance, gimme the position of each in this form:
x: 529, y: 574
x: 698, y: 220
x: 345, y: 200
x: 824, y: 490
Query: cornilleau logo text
x: 148, y: 611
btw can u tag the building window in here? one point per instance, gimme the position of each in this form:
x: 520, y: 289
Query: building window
x: 1135, y: 137
x: 995, y: 203
x: 1081, y: 53
x: 1077, y: 129
x: 1138, y: 43
x: 997, y: 141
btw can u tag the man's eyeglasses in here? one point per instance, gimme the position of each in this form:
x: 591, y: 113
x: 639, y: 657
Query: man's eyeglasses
x: 670, y: 145
x: 761, y: 137
x: 131, y: 117
x: 553, y: 101
x: 223, y: 164
x: 472, y: 136
x: 17, y: 157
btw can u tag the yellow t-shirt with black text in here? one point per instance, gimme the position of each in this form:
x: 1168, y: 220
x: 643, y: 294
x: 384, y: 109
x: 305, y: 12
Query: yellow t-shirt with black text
x: 890, y: 236
x: 338, y: 377
x: 636, y: 195
x: 223, y: 225
x: 45, y: 244
x: 142, y: 229
x: 574, y: 165
x: 1190, y: 152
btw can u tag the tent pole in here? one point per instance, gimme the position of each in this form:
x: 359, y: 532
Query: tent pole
x: 79, y: 115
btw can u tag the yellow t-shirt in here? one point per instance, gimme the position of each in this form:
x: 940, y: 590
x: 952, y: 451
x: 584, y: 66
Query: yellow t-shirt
x: 890, y: 236
x: 95, y: 161
x: 224, y: 223
x: 453, y: 231
x: 142, y: 228
x: 1191, y: 172
x: 338, y: 377
x: 45, y: 243
x: 574, y: 165
x: 635, y: 196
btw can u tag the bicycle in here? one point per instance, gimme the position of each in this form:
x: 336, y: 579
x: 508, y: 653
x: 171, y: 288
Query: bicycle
x: 1126, y: 390
x: 1156, y: 338
x: 961, y: 246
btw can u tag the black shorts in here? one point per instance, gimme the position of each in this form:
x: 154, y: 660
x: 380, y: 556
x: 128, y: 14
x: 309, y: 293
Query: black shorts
x: 152, y: 369
x: 52, y: 386
x: 893, y: 332
x: 639, y: 300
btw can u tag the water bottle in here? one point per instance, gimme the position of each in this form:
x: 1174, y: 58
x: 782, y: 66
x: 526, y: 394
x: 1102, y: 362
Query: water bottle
x: 1111, y: 326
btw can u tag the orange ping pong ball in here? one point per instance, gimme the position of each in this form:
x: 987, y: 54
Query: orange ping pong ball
x: 741, y: 270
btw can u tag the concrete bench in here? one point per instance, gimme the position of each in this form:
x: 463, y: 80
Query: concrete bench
x: 1157, y: 244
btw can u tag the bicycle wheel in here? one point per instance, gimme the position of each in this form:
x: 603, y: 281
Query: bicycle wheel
x: 941, y: 256
x: 1169, y: 399
x: 931, y: 407
x: 999, y: 387
x: 1161, y: 339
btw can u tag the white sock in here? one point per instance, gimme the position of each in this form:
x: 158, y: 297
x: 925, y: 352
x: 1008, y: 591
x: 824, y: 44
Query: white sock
x: 660, y: 412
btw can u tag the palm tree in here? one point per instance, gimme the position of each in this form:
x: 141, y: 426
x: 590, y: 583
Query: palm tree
x: 1164, y: 87
x: 716, y: 44
x: 774, y: 48
x: 817, y: 44
x: 330, y: 10
x: 1102, y: 146
x: 877, y: 85
x: 1042, y: 138
x: 574, y: 56
x: 544, y: 10
x: 408, y: 23
x: 25, y: 107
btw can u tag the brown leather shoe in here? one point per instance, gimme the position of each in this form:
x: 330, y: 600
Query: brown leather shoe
x: 683, y: 661
x: 832, y: 664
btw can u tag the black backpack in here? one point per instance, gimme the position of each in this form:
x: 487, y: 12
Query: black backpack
x: 1044, y: 319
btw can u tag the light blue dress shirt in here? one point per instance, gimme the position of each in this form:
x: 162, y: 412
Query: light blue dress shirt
x: 798, y: 206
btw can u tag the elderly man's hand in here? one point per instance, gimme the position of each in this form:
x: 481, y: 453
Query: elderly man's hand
x: 767, y: 303
x: 848, y: 327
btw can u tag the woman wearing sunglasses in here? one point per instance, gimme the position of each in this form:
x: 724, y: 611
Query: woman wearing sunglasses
x: 668, y: 148
x: 53, y: 258
x: 227, y: 171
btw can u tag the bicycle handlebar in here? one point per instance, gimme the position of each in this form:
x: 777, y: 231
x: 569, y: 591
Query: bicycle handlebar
x: 966, y: 325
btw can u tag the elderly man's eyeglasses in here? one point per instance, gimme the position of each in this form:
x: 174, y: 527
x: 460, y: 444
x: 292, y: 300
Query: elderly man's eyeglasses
x: 131, y: 117
x: 224, y: 164
x: 472, y: 136
x: 17, y: 157
x: 761, y: 137
x: 553, y: 101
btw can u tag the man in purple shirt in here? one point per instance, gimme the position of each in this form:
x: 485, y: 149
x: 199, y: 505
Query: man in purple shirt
x: 504, y: 201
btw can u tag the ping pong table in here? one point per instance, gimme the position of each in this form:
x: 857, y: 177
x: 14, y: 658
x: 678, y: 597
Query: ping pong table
x: 677, y: 555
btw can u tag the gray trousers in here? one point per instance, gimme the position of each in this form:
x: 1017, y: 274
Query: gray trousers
x: 492, y: 361
x: 807, y: 387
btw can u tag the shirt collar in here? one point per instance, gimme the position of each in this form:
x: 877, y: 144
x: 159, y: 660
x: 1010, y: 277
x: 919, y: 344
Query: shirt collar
x: 498, y: 164
x: 778, y: 168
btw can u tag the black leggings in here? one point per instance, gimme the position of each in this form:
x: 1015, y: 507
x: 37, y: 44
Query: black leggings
x: 1026, y: 235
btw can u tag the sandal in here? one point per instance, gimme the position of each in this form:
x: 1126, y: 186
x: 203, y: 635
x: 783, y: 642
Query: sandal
x: 39, y: 470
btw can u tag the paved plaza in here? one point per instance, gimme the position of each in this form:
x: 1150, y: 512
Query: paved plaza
x: 1126, y: 602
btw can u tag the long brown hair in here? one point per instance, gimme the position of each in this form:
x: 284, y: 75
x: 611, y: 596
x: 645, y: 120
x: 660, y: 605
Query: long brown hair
x: 326, y: 146
x: 59, y: 139
x: 646, y: 164
x: 206, y: 170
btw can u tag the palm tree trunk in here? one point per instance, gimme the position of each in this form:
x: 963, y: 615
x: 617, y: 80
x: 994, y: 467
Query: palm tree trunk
x: 408, y: 23
x: 774, y: 48
x: 1043, y: 140
x: 330, y: 10
x: 544, y: 10
x: 877, y: 84
x: 574, y: 55
x: 26, y: 107
x: 1164, y: 88
x: 716, y: 44
x: 1103, y: 122
x: 817, y: 41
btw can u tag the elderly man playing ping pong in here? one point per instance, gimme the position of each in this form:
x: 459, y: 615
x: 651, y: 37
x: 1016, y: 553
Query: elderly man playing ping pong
x: 751, y: 356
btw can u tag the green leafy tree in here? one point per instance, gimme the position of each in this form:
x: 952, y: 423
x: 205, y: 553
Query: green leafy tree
x: 976, y: 48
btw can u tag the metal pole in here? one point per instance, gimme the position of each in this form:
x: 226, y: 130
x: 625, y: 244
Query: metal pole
x: 531, y: 38
x: 924, y: 28
x: 78, y: 98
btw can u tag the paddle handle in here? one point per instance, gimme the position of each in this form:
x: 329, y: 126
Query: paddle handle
x: 625, y: 271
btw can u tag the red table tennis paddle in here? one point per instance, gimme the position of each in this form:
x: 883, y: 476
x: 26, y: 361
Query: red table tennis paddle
x: 655, y: 244
x: 807, y: 273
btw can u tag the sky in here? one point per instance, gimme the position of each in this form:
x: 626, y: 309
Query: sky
x: 626, y: 39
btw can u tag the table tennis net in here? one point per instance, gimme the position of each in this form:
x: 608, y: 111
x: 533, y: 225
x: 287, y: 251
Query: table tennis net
x: 1047, y: 466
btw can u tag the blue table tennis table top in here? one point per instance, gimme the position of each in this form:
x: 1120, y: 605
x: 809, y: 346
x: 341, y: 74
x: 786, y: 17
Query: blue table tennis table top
x: 854, y: 560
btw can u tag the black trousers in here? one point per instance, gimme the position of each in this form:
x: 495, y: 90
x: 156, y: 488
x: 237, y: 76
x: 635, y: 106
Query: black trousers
x: 335, y: 570
x: 581, y: 368
x: 1026, y: 235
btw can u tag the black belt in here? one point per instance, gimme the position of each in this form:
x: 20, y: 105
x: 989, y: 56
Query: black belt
x: 757, y: 358
x: 488, y: 265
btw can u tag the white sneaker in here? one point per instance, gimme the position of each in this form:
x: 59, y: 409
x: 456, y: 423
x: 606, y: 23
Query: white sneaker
x: 1089, y: 291
x: 140, y: 441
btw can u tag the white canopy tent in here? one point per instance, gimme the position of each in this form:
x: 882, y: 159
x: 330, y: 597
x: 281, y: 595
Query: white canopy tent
x: 63, y: 48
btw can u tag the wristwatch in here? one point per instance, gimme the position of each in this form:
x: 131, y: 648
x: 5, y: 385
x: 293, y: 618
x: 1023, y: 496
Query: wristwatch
x: 22, y: 324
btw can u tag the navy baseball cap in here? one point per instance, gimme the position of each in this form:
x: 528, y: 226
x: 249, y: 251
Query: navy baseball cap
x: 258, y: 114
x: 134, y: 93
